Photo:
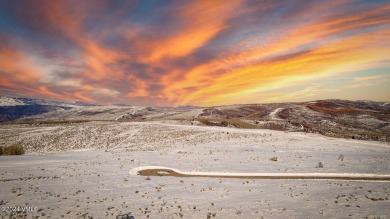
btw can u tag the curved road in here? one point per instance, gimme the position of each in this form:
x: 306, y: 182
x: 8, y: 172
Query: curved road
x: 165, y: 171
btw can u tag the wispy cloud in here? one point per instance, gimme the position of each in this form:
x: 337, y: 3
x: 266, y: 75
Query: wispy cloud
x: 371, y: 77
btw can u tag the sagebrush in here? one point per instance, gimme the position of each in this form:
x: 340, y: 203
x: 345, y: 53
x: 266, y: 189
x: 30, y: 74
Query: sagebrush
x: 12, y: 150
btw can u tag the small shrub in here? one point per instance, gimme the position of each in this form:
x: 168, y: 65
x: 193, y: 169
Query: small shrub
x: 1, y: 150
x: 13, y: 150
x: 320, y: 165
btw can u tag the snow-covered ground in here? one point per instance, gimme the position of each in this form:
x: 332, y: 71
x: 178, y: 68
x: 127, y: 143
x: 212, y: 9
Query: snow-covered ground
x: 83, y: 170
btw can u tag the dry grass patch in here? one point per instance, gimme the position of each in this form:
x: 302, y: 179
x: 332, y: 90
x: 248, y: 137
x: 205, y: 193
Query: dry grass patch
x: 12, y: 150
x: 227, y: 122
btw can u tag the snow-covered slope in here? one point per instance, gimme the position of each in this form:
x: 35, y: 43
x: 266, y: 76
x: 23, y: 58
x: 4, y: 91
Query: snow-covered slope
x: 7, y: 101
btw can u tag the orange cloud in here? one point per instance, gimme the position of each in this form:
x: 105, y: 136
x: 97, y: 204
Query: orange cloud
x: 316, y: 31
x: 202, y: 21
x: 100, y: 61
x: 19, y: 73
x: 59, y: 17
x: 43, y: 90
x: 242, y: 71
x: 330, y: 59
x: 16, y: 68
x: 82, y: 96
x: 140, y: 88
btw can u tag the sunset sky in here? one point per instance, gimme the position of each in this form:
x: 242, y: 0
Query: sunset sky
x: 162, y: 52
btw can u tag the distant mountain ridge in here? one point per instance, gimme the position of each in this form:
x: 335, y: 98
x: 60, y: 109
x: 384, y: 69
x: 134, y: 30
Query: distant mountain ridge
x: 12, y: 108
x: 368, y: 120
x: 13, y: 101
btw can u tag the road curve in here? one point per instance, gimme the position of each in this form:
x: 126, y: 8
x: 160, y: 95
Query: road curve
x: 165, y: 171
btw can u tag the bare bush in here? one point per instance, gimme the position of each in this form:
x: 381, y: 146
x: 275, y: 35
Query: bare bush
x: 13, y: 150
x: 320, y: 165
x: 274, y: 159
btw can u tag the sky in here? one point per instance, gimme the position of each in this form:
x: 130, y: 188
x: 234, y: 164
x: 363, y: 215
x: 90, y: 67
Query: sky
x: 206, y: 52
